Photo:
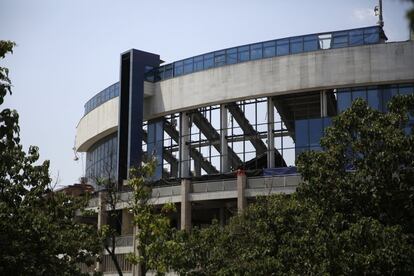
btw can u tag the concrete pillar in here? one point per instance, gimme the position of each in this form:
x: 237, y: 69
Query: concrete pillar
x: 184, y: 147
x: 241, y: 188
x: 223, y: 140
x: 185, y: 205
x: 270, y: 134
x: 102, y: 220
x: 324, y: 104
x: 136, y: 269
x: 127, y: 226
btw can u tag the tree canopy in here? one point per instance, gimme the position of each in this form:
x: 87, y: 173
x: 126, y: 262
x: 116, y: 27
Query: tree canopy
x: 39, y: 232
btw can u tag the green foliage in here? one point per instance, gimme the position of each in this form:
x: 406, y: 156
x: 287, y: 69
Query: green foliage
x: 377, y: 148
x: 39, y: 234
x: 154, y: 231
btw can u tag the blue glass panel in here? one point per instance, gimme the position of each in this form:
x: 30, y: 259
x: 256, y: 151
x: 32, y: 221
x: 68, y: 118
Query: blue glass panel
x: 168, y: 73
x: 256, y: 51
x: 301, y: 133
x: 208, y: 63
x: 220, y: 60
x: 371, y: 35
x: 296, y: 45
x: 231, y: 51
x: 315, y: 132
x: 231, y: 58
x: 344, y: 101
x: 282, y: 47
x: 339, y: 40
x: 178, y: 70
x: 374, y: 99
x: 360, y: 93
x: 310, y: 43
x: 188, y: 66
x: 405, y: 90
x: 356, y: 37
x: 269, y: 49
x: 243, y: 53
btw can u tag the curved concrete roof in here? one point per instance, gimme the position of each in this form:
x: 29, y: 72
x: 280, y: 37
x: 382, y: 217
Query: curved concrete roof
x: 344, y: 67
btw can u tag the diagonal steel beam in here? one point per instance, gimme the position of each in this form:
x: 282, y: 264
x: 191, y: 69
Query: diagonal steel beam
x: 286, y: 116
x: 252, y: 134
x: 247, y: 128
x: 194, y: 153
x: 213, y: 136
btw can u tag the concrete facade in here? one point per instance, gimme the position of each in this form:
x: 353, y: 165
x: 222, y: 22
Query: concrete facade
x: 345, y: 67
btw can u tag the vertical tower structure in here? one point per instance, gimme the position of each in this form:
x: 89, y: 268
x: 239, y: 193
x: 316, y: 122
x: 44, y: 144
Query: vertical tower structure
x: 134, y: 65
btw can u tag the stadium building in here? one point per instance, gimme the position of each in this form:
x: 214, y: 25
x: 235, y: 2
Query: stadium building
x: 227, y: 126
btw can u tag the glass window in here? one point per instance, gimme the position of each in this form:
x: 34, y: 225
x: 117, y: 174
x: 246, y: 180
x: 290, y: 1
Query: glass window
x: 282, y: 47
x: 374, y: 98
x: 243, y: 53
x: 296, y: 45
x: 310, y: 43
x: 231, y: 55
x: 339, y: 39
x: 302, y: 133
x: 315, y: 132
x: 359, y: 93
x: 344, y: 100
x: 269, y: 49
x: 405, y: 90
x: 188, y: 66
x: 256, y: 51
x: 168, y: 71
x: 198, y: 63
x: 208, y: 61
x: 178, y: 70
x: 219, y: 58
x: 371, y: 35
x: 356, y: 37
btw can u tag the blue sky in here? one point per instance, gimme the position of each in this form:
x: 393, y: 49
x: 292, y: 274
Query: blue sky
x: 68, y: 50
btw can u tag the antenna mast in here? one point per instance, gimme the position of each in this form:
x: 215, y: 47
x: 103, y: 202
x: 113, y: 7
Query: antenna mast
x: 378, y: 12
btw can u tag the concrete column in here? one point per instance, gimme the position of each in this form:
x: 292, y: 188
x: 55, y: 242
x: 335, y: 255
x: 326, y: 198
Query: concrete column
x: 324, y: 104
x: 185, y: 205
x: 241, y: 188
x: 270, y: 134
x: 184, y: 147
x: 127, y: 226
x: 223, y: 140
x: 136, y: 269
x: 102, y: 220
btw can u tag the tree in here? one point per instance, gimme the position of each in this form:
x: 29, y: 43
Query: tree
x: 154, y: 242
x: 39, y: 232
x: 367, y: 166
